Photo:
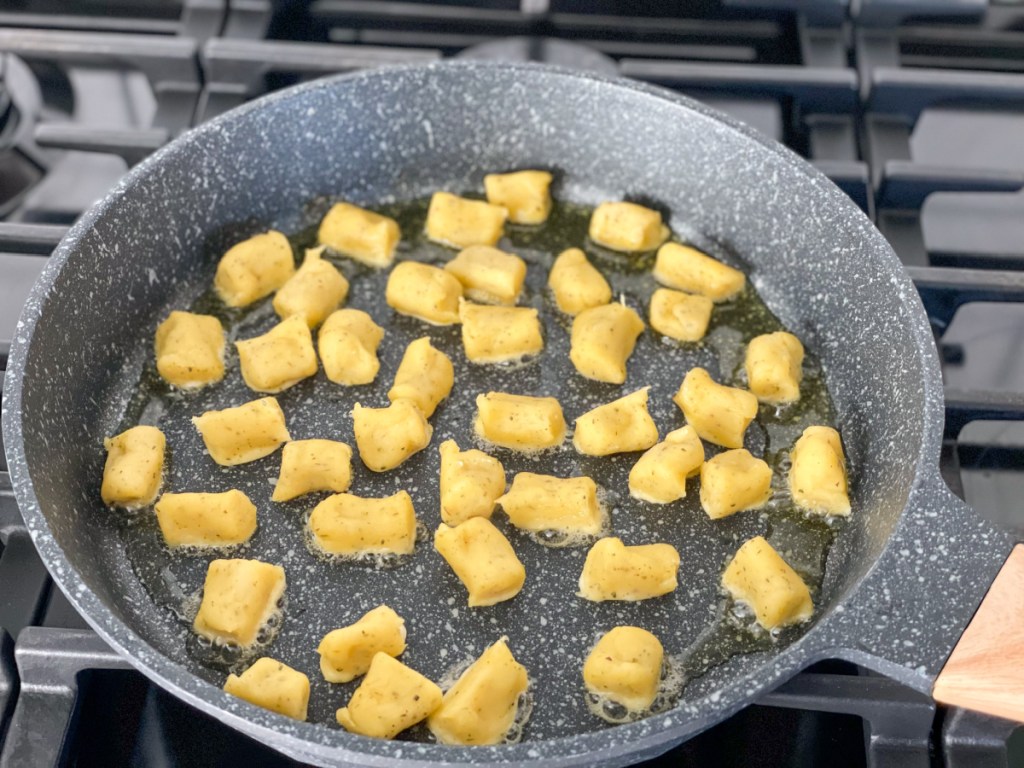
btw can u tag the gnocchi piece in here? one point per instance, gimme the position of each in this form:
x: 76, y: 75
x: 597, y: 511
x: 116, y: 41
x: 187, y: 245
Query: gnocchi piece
x: 483, y: 560
x: 348, y: 342
x: 482, y: 705
x: 659, y: 476
x: 239, y: 597
x: 734, y: 481
x: 134, y: 468
x: 424, y: 377
x: 519, y: 422
x: 313, y: 465
x: 680, y: 316
x: 206, y: 520
x: 620, y: 426
x: 313, y: 292
x: 244, y: 433
x: 526, y: 195
x: 603, y: 339
x: 190, y: 350
x: 774, y: 367
x: 488, y: 275
x: 545, y: 503
x: 576, y: 283
x: 817, y: 477
x: 685, y: 268
x: 254, y: 268
x: 280, y: 358
x: 344, y: 524
x: 360, y: 234
x: 346, y: 653
x: 471, y: 482
x: 760, y: 578
x: 391, y: 698
x: 499, y: 334
x: 627, y: 227
x: 274, y: 686
x: 460, y: 223
x: 719, y: 413
x: 625, y: 667
x: 386, y: 437
x: 427, y: 293
x: 613, y: 571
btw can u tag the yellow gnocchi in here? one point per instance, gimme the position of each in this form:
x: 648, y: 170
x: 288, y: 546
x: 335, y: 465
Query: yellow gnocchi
x: 360, y: 234
x: 190, y: 350
x: 758, y: 577
x: 627, y: 227
x: 313, y: 465
x: 349, y: 525
x: 499, y: 334
x: 519, y: 422
x: 526, y: 195
x: 685, y: 268
x: 134, y: 469
x: 719, y: 413
x: 348, y: 343
x: 624, y: 667
x: 206, y: 520
x: 659, y: 476
x: 425, y: 377
x: 614, y: 571
x: 427, y: 293
x: 239, y: 597
x: 484, y: 702
x: 488, y: 275
x: 313, y: 292
x: 244, y: 433
x: 482, y: 559
x: 620, y: 426
x: 576, y: 284
x: 391, y: 698
x: 734, y: 481
x: 471, y: 482
x: 680, y: 316
x: 602, y: 340
x: 280, y: 358
x: 545, y: 503
x: 817, y: 477
x: 274, y: 686
x: 386, y: 437
x: 346, y: 653
x: 774, y: 367
x: 254, y: 268
x: 460, y: 223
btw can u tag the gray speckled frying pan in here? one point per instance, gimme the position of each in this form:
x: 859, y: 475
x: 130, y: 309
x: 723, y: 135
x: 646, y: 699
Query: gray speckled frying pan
x: 900, y: 582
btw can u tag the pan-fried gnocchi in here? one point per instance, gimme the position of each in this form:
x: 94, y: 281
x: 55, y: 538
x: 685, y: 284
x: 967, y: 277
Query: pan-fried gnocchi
x: 602, y: 341
x: 386, y: 437
x: 484, y: 702
x: 720, y: 414
x: 349, y: 525
x: 427, y: 293
x: 614, y: 571
x: 680, y: 316
x: 313, y: 292
x: 620, y: 426
x: 362, y: 235
x: 206, y: 520
x: 425, y: 377
x: 526, y: 195
x: 274, y: 686
x: 470, y: 483
x: 545, y: 503
x: 190, y: 350
x: 624, y: 666
x: 519, y: 422
x: 576, y: 284
x: 773, y: 367
x: 308, y: 466
x: 239, y: 597
x: 460, y: 223
x: 134, y: 468
x: 254, y: 269
x: 348, y: 343
x: 734, y: 481
x: 244, y: 433
x: 483, y: 560
x: 391, y: 698
x: 499, y: 334
x: 627, y: 227
x: 685, y: 268
x: 817, y: 477
x: 489, y: 275
x: 280, y: 358
x: 346, y: 653
x: 660, y: 475
x: 759, y: 577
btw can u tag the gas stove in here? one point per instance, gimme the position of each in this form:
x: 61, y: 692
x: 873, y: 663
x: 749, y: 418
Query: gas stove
x: 915, y: 108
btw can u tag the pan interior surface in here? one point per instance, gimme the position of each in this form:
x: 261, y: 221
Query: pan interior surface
x: 401, y: 135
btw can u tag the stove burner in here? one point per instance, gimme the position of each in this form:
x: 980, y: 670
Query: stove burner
x: 543, y: 49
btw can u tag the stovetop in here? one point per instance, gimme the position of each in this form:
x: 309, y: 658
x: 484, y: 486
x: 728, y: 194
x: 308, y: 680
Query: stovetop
x: 915, y: 108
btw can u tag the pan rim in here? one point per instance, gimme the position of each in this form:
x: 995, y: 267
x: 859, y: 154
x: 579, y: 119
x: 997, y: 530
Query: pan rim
x: 313, y: 741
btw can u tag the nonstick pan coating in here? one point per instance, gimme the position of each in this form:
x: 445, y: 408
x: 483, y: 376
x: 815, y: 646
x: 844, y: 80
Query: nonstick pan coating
x: 85, y: 337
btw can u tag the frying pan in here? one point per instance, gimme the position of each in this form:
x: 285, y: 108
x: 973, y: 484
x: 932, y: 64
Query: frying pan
x: 900, y: 582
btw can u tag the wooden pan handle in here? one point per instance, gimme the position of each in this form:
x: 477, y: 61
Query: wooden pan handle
x: 985, y: 672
